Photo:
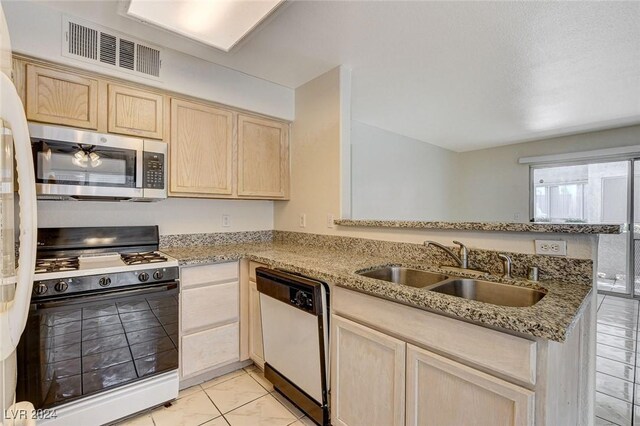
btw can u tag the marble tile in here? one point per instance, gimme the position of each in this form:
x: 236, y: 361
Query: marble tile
x: 220, y: 421
x: 263, y: 411
x: 616, y: 354
x: 305, y: 421
x: 615, y: 387
x: 616, y: 342
x: 235, y: 392
x: 140, y: 420
x: 288, y: 405
x: 191, y: 410
x: 258, y: 376
x: 619, y: 301
x: 636, y: 414
x: 613, y: 409
x: 189, y: 391
x: 621, y: 322
x: 222, y: 379
x: 614, y: 368
x: 602, y: 422
x: 615, y: 331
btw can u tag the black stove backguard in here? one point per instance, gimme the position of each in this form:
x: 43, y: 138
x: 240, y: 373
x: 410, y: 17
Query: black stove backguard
x: 84, y: 345
x: 57, y: 242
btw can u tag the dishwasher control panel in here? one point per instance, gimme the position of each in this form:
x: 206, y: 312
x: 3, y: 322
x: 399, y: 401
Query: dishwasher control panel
x: 301, y: 298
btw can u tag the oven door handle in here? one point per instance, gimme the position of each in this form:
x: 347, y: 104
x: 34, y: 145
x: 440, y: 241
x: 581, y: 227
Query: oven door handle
x: 169, y: 288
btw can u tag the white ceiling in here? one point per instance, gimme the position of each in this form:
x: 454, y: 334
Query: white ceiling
x: 461, y: 75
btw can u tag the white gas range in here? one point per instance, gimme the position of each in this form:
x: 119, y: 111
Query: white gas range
x: 101, y: 341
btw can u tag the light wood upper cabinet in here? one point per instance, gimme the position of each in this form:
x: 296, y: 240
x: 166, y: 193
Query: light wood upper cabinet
x: 442, y: 392
x: 60, y: 97
x: 135, y: 112
x: 368, y: 376
x: 201, y: 150
x: 263, y: 157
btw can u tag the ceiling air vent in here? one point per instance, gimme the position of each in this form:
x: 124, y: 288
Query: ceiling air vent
x: 102, y: 46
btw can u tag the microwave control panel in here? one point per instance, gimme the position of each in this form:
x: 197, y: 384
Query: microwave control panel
x: 153, y: 170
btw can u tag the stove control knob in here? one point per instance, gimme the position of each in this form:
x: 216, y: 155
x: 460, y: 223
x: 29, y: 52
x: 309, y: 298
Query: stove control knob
x: 143, y: 276
x: 158, y: 275
x: 104, y: 281
x: 61, y: 286
x: 302, y: 299
x: 40, y: 288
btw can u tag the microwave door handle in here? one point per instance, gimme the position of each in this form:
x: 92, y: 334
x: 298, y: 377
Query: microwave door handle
x: 14, y: 319
x: 139, y: 165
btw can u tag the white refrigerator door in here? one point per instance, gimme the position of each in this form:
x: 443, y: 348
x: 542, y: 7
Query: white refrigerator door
x: 13, y: 313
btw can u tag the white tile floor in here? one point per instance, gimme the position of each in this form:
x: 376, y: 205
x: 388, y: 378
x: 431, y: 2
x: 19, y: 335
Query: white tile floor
x: 241, y: 398
x: 617, y: 362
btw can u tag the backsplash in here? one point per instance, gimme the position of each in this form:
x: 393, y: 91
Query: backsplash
x: 550, y: 268
x: 564, y: 269
x: 215, y: 238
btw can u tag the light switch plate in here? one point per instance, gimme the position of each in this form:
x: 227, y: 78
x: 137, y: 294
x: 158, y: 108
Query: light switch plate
x: 303, y: 220
x: 551, y: 247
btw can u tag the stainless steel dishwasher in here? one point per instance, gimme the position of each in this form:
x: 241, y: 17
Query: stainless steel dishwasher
x: 295, y: 331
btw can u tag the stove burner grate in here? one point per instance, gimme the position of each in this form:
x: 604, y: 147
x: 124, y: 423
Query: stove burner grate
x: 59, y: 264
x: 142, y: 258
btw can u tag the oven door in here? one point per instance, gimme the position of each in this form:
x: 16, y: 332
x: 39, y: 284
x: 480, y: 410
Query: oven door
x: 86, y: 344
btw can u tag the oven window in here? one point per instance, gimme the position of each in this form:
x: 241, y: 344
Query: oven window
x: 85, y: 165
x: 70, y: 351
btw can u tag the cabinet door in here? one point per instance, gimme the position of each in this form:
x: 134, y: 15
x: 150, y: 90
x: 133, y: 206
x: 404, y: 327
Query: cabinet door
x: 135, y: 112
x: 201, y: 149
x: 209, y: 306
x: 442, y: 392
x: 61, y: 98
x: 256, y: 348
x: 209, y: 349
x: 368, y: 376
x: 263, y: 157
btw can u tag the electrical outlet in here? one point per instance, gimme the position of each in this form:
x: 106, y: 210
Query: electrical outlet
x: 226, y: 220
x: 303, y: 220
x: 551, y: 247
x: 330, y: 223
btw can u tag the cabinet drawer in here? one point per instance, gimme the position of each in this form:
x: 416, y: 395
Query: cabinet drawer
x: 209, y: 306
x: 209, y: 274
x: 252, y: 269
x: 210, y: 349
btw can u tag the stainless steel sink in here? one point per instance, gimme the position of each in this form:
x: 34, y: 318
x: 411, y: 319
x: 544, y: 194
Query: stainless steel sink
x: 405, y: 276
x: 490, y: 292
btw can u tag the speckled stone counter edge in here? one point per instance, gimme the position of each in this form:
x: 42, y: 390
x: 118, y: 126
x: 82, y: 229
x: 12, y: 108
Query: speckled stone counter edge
x: 558, y: 228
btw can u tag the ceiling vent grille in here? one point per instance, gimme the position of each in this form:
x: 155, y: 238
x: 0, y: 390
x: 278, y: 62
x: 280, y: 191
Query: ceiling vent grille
x: 92, y: 43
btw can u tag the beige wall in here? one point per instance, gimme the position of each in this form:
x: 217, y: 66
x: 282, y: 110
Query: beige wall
x: 316, y: 172
x: 495, y: 187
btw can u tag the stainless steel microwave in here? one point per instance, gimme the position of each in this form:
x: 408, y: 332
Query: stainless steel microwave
x: 84, y: 165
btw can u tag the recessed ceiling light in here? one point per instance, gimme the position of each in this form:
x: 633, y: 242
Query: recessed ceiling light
x: 218, y: 23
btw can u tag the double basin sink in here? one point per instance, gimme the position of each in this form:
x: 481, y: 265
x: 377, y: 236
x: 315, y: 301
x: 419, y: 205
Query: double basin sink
x: 467, y: 288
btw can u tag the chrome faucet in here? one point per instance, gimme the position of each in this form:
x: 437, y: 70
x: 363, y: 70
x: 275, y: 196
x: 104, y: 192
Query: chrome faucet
x: 506, y: 265
x: 462, y: 260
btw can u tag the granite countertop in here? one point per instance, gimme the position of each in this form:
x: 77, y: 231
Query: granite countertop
x: 552, y: 318
x: 537, y: 227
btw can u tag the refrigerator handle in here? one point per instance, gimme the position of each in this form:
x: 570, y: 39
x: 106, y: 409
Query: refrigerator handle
x: 14, y: 318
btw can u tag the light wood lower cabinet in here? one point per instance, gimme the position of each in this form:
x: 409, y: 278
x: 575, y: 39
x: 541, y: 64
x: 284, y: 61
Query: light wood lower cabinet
x: 201, y: 150
x: 60, y: 97
x: 256, y: 346
x: 368, y: 376
x: 209, y: 318
x: 135, y: 112
x: 442, y: 392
